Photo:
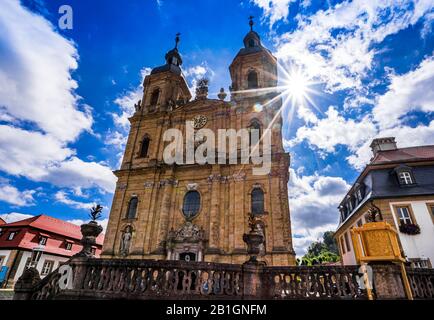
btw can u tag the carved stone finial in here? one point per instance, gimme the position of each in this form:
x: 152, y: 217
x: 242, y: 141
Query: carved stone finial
x: 222, y: 94
x: 202, y: 89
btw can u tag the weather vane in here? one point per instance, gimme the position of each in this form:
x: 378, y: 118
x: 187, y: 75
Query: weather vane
x: 251, y: 22
x: 177, y: 40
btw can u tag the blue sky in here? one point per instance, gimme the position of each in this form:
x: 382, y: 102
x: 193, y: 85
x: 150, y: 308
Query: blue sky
x: 65, y: 95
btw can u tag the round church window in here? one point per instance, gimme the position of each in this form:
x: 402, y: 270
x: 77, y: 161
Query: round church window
x: 191, y: 205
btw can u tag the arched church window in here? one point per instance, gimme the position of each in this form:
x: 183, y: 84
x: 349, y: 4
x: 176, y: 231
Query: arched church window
x: 257, y: 201
x: 251, y: 43
x: 191, y: 204
x: 252, y: 80
x: 154, y: 97
x: 144, y: 147
x: 255, y: 132
x: 132, y: 208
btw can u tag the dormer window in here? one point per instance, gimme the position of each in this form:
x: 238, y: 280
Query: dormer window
x: 359, y: 195
x: 12, y: 235
x: 42, y: 240
x: 404, y: 175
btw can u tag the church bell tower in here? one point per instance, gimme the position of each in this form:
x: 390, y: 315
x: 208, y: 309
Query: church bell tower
x: 199, y: 211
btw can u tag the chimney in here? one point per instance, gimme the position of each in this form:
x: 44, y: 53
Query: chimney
x: 383, y: 144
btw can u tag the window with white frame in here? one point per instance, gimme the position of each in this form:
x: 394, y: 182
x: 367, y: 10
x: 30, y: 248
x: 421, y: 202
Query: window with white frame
x: 405, y: 177
x: 47, y: 267
x: 404, y: 215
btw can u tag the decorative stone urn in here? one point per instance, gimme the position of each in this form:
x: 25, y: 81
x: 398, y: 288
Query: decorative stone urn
x: 90, y: 232
x: 253, y: 239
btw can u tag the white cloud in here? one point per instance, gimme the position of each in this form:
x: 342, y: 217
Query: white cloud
x: 12, y: 195
x: 412, y: 91
x: 37, y: 91
x: 14, y: 216
x: 336, y: 45
x: 62, y: 197
x: 408, y: 92
x: 127, y: 101
x: 332, y: 130
x: 79, y: 222
x: 35, y: 74
x: 275, y: 10
x: 75, y: 172
x: 29, y: 153
x: 40, y: 157
x: 313, y: 202
x: 406, y: 136
x: 195, y: 73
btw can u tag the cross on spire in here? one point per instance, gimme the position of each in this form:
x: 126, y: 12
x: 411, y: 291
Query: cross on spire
x: 177, y: 40
x: 251, y: 22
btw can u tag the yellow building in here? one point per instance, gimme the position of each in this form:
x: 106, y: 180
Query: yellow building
x: 195, y: 211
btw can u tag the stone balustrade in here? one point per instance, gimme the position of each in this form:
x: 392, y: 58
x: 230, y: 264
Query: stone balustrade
x: 316, y: 282
x: 421, y: 283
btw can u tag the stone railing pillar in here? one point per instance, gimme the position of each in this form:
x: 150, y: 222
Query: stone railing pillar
x: 79, y: 266
x: 253, y: 287
x: 388, y: 281
x: 25, y: 285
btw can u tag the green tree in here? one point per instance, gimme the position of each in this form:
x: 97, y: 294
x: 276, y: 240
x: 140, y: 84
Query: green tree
x: 321, y: 251
x: 330, y: 242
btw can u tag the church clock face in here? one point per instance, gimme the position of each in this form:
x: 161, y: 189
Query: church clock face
x: 199, y: 121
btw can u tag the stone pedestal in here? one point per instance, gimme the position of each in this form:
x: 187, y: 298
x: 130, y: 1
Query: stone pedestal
x: 252, y: 279
x: 388, y: 281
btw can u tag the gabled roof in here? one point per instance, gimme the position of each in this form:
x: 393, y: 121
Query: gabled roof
x: 53, y: 225
x: 393, y: 157
x: 2, y: 221
x: 404, y: 155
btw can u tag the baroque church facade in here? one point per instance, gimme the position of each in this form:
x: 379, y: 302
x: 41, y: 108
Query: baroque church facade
x: 199, y: 212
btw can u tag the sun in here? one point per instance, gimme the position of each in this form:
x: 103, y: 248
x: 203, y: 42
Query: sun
x: 297, y: 86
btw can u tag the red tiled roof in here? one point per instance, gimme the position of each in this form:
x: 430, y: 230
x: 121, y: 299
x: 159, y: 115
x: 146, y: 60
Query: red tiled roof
x: 50, y: 224
x: 404, y: 154
x: 2, y: 221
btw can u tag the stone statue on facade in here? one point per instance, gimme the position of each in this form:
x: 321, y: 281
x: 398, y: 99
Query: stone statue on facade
x: 126, y: 240
x: 374, y: 213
